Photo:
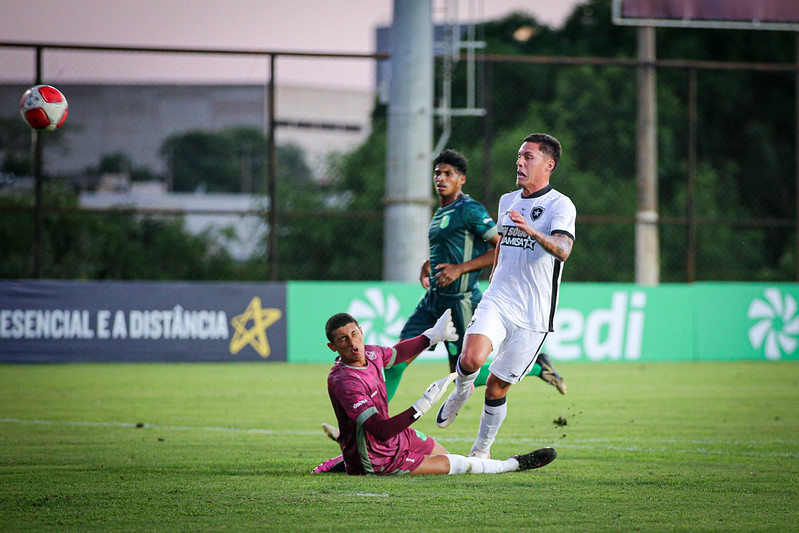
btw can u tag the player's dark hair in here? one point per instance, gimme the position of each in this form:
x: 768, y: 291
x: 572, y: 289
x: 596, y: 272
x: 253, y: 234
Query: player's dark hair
x: 336, y: 321
x: 451, y: 157
x: 547, y: 144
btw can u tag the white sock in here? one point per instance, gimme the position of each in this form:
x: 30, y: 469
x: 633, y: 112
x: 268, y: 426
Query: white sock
x: 458, y: 464
x: 464, y: 381
x: 494, y: 412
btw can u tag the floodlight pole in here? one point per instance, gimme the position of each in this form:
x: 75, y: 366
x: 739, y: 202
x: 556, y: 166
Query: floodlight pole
x: 408, y: 196
x: 647, y: 247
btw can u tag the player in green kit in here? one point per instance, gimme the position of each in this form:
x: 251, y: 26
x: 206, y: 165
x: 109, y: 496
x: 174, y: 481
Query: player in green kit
x: 462, y: 237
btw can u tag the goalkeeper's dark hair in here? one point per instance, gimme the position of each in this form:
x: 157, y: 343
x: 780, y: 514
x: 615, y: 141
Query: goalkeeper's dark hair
x: 451, y: 157
x: 336, y: 321
x: 547, y: 144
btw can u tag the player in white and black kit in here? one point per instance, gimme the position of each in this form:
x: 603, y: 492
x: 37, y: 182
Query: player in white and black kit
x: 517, y: 311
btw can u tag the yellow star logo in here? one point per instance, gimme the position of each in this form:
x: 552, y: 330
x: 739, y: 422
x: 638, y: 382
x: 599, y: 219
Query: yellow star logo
x: 260, y: 319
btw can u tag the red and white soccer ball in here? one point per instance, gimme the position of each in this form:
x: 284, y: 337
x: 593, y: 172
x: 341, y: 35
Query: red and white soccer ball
x: 44, y: 107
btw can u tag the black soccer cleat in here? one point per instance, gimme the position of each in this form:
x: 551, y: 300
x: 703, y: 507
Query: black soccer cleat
x: 536, y: 459
x: 549, y: 374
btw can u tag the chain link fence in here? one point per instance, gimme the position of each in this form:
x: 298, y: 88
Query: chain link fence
x: 149, y: 131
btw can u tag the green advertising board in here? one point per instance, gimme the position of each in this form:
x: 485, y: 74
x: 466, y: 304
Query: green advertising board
x: 747, y: 321
x: 594, y: 322
x: 622, y: 322
x: 380, y: 307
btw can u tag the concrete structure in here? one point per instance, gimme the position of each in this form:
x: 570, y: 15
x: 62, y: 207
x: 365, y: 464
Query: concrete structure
x: 410, y: 141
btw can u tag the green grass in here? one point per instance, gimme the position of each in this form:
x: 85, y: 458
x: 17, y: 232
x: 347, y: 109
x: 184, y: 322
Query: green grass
x: 647, y: 447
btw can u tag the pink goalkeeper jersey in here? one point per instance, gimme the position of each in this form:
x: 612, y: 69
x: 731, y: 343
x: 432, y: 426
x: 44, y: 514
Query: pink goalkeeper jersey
x: 358, y: 393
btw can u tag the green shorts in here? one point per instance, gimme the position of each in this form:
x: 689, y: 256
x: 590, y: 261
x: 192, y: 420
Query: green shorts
x: 432, y: 306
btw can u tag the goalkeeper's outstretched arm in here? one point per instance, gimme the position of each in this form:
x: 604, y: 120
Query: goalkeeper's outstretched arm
x: 384, y: 428
x: 442, y: 330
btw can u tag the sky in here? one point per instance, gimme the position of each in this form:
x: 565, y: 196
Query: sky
x: 329, y: 26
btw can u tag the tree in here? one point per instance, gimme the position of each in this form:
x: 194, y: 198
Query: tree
x: 232, y: 160
x: 82, y: 245
x: 332, y: 229
x: 744, y: 138
x: 121, y: 163
x: 15, y: 145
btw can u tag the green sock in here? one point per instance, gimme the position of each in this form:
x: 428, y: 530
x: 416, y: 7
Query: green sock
x: 482, y: 377
x: 393, y: 377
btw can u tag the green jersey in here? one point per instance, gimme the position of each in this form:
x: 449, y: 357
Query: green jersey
x: 458, y: 233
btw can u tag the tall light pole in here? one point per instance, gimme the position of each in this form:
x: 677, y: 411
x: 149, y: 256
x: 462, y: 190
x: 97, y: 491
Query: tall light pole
x: 647, y: 243
x: 410, y: 139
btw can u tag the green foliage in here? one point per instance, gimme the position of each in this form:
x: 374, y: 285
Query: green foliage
x: 334, y: 230
x: 232, y: 160
x: 83, y: 245
x: 121, y: 163
x: 742, y: 132
x: 207, y: 447
x: 117, y: 162
x: 15, y: 145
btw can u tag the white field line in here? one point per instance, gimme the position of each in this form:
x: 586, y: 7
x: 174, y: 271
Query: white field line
x: 152, y: 426
x: 670, y: 445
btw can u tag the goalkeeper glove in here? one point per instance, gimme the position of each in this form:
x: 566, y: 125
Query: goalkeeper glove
x: 443, y: 330
x: 433, y: 394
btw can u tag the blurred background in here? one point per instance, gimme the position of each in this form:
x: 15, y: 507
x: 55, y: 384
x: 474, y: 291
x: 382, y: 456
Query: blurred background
x: 196, y: 161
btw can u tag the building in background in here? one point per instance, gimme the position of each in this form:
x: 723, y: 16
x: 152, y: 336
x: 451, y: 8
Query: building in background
x: 229, y: 218
x: 136, y: 119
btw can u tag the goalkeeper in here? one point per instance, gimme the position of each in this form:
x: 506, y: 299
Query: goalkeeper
x: 371, y: 441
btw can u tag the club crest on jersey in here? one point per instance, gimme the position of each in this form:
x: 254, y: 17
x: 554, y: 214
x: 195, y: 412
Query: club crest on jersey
x: 370, y: 355
x: 536, y: 213
x: 444, y: 222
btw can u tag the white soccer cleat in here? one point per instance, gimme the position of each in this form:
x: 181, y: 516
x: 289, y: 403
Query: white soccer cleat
x: 331, y: 431
x: 479, y: 454
x: 450, y: 408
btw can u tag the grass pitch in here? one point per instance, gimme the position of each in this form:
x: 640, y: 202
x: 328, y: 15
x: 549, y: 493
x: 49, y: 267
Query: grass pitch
x: 202, y: 447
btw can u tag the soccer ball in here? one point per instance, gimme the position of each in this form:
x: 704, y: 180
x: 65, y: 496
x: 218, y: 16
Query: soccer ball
x: 44, y: 107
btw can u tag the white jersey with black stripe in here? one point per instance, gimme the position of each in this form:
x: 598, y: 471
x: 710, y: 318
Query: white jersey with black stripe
x: 525, y: 284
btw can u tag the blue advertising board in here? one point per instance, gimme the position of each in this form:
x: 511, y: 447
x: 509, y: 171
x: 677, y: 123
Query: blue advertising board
x: 69, y: 321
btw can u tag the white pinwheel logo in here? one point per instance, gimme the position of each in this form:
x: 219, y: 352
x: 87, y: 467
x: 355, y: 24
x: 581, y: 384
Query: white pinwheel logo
x: 378, y: 316
x: 777, y: 323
